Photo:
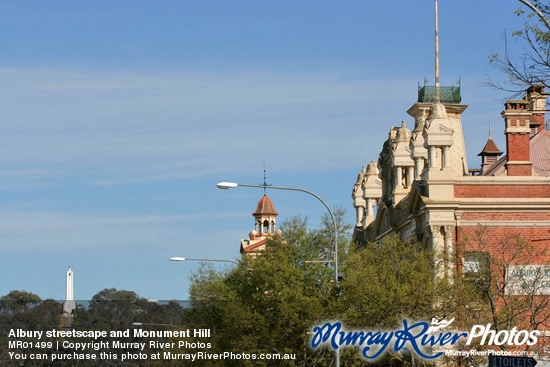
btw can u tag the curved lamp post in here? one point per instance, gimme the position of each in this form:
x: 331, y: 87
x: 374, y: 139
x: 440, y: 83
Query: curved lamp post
x: 231, y: 185
x: 537, y: 11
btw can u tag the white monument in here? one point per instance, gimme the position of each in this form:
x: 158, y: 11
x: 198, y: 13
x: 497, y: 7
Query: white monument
x: 69, y: 306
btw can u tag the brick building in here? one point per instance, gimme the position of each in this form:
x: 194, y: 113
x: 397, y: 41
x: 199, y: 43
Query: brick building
x: 421, y: 185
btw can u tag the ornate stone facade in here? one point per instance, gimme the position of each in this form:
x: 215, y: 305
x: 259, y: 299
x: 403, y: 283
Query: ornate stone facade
x: 424, y: 188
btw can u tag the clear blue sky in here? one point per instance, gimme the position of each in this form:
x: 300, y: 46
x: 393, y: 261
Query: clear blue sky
x: 118, y: 118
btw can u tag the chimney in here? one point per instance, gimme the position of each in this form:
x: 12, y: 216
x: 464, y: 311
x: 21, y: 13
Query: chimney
x: 537, y: 104
x: 517, y: 118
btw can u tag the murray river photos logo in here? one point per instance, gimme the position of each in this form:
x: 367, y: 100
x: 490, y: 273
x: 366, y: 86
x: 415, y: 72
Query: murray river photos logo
x: 416, y: 336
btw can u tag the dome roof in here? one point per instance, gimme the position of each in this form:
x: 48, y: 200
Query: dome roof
x: 265, y: 206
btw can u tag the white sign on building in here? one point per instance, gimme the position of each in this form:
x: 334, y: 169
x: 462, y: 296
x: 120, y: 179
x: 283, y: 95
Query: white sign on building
x: 528, y: 279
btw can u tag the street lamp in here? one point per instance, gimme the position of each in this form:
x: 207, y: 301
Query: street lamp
x: 231, y: 185
x: 186, y: 258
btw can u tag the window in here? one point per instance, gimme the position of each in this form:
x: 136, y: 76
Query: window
x: 476, y: 266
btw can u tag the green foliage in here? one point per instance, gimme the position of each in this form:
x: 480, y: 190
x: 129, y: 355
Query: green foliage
x: 268, y: 303
x: 109, y: 309
x: 390, y: 281
x: 111, y: 294
x: 18, y: 301
x: 26, y: 311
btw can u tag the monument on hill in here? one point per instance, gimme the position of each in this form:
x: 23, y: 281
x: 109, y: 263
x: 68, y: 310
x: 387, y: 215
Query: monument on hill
x: 69, y: 305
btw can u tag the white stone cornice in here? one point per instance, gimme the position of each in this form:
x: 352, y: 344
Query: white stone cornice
x: 516, y: 113
x: 519, y: 163
x: 417, y: 108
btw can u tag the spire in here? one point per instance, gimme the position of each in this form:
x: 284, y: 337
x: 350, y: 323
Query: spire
x: 490, y: 147
x: 438, y: 93
x: 436, y: 55
x: 265, y: 182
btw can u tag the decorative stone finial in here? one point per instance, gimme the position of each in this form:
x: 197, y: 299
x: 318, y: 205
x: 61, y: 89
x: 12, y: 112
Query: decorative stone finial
x: 438, y: 111
x: 420, y: 122
x: 372, y: 169
x: 403, y: 133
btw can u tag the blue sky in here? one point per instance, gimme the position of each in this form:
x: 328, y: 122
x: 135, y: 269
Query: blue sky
x: 119, y: 117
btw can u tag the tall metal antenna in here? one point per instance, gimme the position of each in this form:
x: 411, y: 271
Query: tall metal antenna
x: 489, y: 129
x: 436, y: 55
x: 265, y: 182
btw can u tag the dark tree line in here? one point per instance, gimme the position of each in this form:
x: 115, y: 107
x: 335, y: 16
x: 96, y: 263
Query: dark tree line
x: 108, y: 310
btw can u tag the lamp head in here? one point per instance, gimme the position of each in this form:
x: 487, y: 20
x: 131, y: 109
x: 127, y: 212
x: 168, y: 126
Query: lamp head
x: 226, y: 185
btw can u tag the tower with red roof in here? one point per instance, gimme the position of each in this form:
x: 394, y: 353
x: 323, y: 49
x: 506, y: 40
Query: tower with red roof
x: 264, y: 226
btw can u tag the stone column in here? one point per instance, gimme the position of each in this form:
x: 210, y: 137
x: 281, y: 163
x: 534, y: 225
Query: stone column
x: 449, y: 253
x: 418, y: 167
x: 369, y: 217
x: 370, y: 207
x: 431, y: 157
x: 398, y: 177
x: 445, y: 157
x: 360, y: 214
x: 438, y: 250
x: 410, y: 176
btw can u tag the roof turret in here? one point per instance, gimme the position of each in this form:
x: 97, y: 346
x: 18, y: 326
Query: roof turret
x: 265, y: 207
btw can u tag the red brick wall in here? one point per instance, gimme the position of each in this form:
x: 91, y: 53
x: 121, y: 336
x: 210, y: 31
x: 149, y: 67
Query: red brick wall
x: 519, y: 169
x: 517, y: 147
x: 498, y: 241
x: 502, y: 191
x: 538, y: 119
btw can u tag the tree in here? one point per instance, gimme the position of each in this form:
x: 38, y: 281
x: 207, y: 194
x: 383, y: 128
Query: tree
x: 532, y: 64
x: 506, y: 284
x: 112, y: 309
x: 26, y: 311
x: 18, y: 301
x: 267, y: 304
x: 109, y: 309
x: 388, y: 281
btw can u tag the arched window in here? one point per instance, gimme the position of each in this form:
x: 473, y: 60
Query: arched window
x: 266, y: 226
